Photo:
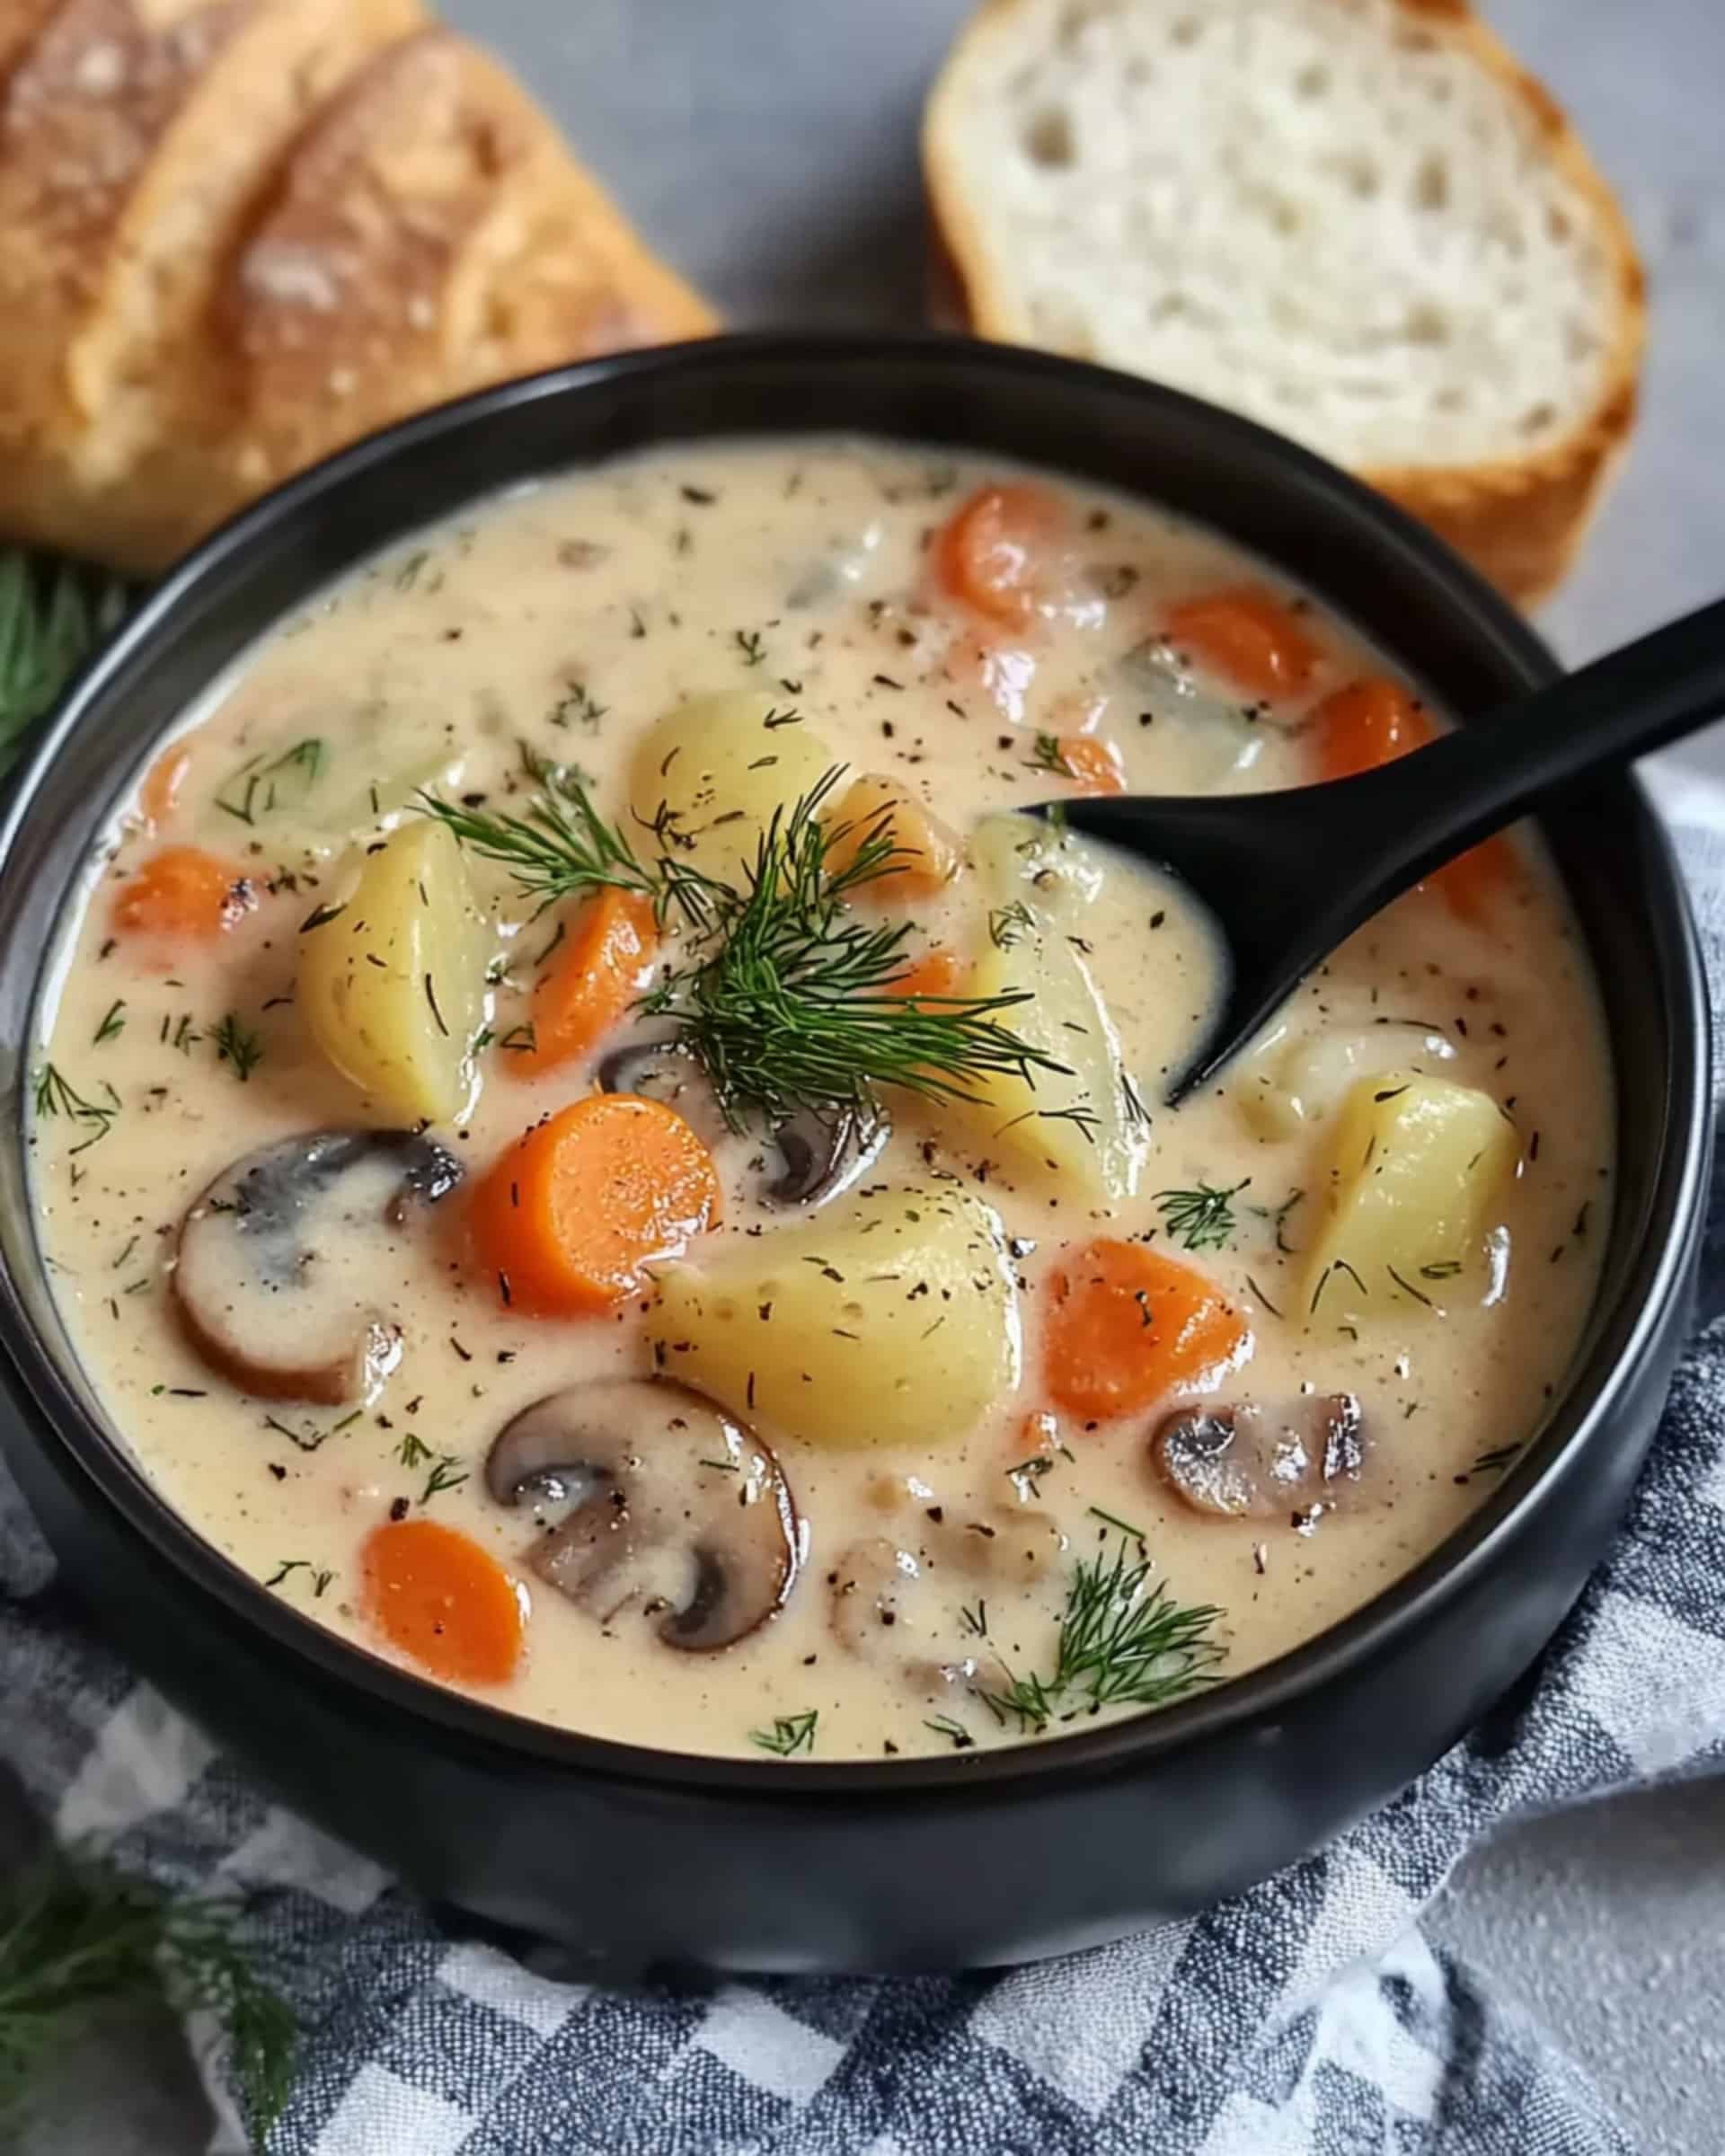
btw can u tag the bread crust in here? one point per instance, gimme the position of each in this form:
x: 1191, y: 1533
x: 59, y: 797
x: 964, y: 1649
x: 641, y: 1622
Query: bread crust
x: 236, y: 235
x: 1519, y: 520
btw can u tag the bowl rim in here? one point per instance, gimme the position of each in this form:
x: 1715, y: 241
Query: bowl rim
x: 1619, y: 1337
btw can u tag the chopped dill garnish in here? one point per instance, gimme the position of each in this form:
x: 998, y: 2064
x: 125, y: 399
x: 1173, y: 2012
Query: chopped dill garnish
x: 1046, y: 755
x: 447, y: 1474
x: 413, y: 1452
x: 55, y: 1095
x: 579, y: 706
x: 749, y: 642
x: 790, y: 1734
x: 949, y: 1726
x: 257, y: 788
x: 238, y: 1047
x: 113, y: 1023
x: 1007, y: 924
x: 1496, y: 1462
x: 1276, y: 1216
x: 75, y: 1932
x: 1124, y: 1641
x: 1202, y: 1219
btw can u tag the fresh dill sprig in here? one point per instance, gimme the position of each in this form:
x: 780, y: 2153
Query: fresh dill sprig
x: 447, y: 1474
x: 51, y: 618
x: 412, y: 1451
x: 1202, y: 1219
x: 791, y: 1003
x: 1009, y: 922
x: 75, y: 1933
x: 558, y: 847
x: 1123, y: 1642
x: 237, y: 1046
x: 790, y: 1734
x: 113, y: 1023
x: 55, y: 1095
x: 258, y: 787
x: 1046, y: 755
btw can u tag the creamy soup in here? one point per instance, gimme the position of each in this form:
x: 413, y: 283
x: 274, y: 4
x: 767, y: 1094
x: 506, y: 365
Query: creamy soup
x: 584, y: 1145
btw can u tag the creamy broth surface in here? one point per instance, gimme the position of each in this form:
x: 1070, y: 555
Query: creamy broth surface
x: 932, y: 1575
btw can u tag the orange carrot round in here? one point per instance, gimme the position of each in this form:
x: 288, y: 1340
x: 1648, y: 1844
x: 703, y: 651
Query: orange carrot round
x: 1367, y: 723
x: 1373, y: 722
x: 183, y: 893
x: 992, y: 552
x: 439, y: 1597
x: 592, y: 980
x: 1250, y: 638
x: 1093, y: 765
x: 1125, y: 1325
x: 571, y: 1212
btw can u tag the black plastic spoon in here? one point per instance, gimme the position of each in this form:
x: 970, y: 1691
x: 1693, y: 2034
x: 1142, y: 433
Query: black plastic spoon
x: 1287, y: 876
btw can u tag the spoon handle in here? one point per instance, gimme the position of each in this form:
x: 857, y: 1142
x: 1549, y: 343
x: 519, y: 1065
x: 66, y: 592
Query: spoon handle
x: 1469, y: 783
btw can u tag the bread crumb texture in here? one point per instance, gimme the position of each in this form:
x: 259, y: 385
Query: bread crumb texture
x: 1356, y: 221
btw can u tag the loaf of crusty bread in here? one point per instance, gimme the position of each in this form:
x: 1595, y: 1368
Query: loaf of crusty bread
x: 236, y: 235
x: 1360, y: 222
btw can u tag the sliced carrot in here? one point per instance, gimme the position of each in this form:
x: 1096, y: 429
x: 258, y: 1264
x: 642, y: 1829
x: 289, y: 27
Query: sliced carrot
x: 602, y: 965
x: 1125, y: 1325
x: 184, y: 893
x: 993, y: 553
x: 1093, y: 765
x: 437, y: 1596
x: 934, y: 973
x: 1252, y: 638
x: 570, y: 1213
x: 1373, y: 722
x: 1367, y: 723
x: 159, y: 795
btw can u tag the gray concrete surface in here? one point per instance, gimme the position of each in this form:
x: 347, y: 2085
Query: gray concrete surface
x: 768, y: 146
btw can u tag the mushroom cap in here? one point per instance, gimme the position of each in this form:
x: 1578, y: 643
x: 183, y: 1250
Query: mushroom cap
x: 676, y: 1507
x: 275, y: 1279
x: 1252, y: 1460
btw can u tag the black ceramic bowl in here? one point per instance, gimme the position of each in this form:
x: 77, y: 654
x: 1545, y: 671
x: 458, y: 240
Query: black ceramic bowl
x: 632, y: 1855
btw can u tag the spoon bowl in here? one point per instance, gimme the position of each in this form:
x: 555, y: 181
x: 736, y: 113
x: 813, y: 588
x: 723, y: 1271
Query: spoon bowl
x: 1287, y: 876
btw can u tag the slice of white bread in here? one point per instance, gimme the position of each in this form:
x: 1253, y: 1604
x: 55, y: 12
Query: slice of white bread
x: 1360, y: 222
x: 235, y: 234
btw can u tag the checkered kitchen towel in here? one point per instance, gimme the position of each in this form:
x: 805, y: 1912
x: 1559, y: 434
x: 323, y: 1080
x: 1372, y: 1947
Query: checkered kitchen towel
x: 1312, y: 2017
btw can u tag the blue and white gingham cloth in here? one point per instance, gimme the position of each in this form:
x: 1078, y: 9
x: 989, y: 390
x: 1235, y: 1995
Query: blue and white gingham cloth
x: 1312, y: 2017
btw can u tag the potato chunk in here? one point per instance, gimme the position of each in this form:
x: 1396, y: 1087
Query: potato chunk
x: 1292, y: 1081
x: 392, y: 982
x: 712, y: 774
x: 1075, y: 1128
x: 929, y: 854
x: 1415, y: 1166
x: 894, y: 1323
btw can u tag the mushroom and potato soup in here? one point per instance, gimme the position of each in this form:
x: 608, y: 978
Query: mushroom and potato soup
x: 584, y: 1143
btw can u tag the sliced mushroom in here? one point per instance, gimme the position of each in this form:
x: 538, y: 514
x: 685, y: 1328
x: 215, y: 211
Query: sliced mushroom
x: 809, y: 1157
x: 1263, y: 1460
x: 822, y: 1153
x: 648, y: 1062
x: 677, y: 1507
x: 276, y: 1274
x: 905, y: 1599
